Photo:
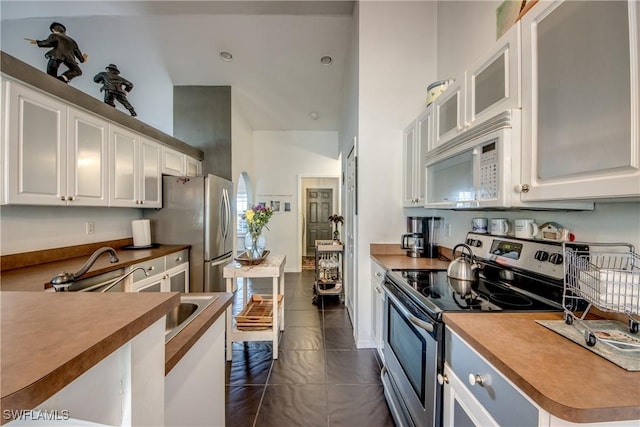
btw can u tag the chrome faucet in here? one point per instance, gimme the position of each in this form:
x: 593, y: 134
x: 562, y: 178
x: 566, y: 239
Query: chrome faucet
x: 62, y: 281
x: 121, y: 278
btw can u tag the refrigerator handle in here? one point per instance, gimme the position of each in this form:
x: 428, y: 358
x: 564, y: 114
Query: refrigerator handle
x: 223, y: 212
x: 227, y: 212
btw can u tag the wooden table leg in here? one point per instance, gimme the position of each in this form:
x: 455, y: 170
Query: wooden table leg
x: 275, y: 315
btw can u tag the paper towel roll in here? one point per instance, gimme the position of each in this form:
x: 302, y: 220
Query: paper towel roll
x: 141, y: 232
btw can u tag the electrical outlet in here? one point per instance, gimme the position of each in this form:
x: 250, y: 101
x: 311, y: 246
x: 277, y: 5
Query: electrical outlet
x: 90, y: 227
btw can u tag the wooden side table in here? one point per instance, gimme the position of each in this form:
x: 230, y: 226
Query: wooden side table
x: 272, y: 266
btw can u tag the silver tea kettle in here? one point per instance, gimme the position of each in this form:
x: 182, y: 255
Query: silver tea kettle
x: 464, y: 267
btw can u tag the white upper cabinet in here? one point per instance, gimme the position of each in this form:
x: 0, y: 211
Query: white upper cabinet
x: 36, y: 161
x: 409, y: 166
x: 493, y: 81
x: 87, y: 182
x: 135, y: 179
x: 193, y: 166
x: 56, y: 155
x: 448, y: 112
x: 581, y: 107
x: 179, y: 164
x: 173, y: 162
x: 488, y: 87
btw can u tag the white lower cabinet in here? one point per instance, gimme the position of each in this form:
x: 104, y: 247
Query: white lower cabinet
x: 169, y: 273
x: 195, y: 387
x: 476, y: 394
x: 377, y: 306
x: 125, y: 388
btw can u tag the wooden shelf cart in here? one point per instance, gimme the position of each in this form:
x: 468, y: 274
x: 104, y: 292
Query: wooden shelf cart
x: 329, y: 269
x: 254, y: 326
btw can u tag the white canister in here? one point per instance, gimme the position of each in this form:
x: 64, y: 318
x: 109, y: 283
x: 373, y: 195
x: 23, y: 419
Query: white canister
x: 499, y: 226
x: 479, y: 225
x: 141, y: 229
x: 526, y: 228
x: 435, y: 89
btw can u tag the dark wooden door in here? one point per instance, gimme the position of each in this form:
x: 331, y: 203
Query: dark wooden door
x: 319, y: 209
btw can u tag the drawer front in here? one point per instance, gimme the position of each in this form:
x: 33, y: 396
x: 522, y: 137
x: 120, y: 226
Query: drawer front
x: 377, y: 272
x: 153, y: 267
x: 178, y: 258
x: 153, y: 287
x: 504, y: 402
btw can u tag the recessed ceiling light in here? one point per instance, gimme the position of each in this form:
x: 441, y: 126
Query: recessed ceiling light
x: 314, y: 115
x: 226, y: 56
x: 326, y: 60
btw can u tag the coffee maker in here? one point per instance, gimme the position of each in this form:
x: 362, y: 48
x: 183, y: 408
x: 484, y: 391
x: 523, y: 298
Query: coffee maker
x: 421, y: 240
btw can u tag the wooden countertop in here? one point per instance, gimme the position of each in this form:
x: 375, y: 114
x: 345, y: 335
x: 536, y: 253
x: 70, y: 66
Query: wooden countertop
x: 563, y: 378
x: 49, y: 338
x: 391, y: 256
x: 34, y: 278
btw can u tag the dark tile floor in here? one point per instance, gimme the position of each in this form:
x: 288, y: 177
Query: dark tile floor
x: 319, y: 378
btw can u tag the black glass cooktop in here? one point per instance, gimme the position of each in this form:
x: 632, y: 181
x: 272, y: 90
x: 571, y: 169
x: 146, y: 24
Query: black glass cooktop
x: 433, y: 291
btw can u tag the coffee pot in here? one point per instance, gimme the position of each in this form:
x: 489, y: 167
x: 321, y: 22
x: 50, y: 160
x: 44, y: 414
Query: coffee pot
x: 422, y: 237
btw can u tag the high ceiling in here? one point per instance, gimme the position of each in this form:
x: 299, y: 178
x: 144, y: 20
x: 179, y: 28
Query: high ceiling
x: 277, y: 46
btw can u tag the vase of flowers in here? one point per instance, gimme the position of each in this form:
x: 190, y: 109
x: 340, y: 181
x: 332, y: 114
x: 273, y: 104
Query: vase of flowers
x: 335, y: 218
x: 257, y: 218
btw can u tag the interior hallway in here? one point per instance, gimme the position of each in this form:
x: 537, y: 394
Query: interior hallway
x: 319, y: 378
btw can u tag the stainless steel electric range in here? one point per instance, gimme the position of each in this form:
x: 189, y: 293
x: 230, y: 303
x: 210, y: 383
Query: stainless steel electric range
x: 514, y: 275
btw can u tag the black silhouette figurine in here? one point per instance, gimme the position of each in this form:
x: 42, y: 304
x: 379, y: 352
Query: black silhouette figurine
x: 112, y: 85
x: 64, y: 51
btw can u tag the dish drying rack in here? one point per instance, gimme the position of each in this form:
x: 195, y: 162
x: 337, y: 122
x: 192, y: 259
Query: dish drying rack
x: 605, y: 276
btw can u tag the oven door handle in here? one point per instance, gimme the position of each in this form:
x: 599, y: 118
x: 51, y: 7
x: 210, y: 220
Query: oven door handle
x: 413, y: 319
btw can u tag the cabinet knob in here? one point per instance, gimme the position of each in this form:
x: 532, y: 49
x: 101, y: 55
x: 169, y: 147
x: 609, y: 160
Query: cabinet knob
x: 151, y: 268
x: 71, y: 198
x: 478, y: 379
x: 179, y: 259
x: 378, y: 274
x: 63, y: 198
x: 443, y: 379
x: 525, y: 188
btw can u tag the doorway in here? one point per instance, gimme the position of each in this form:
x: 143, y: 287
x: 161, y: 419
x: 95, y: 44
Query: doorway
x: 307, y: 244
x: 319, y: 207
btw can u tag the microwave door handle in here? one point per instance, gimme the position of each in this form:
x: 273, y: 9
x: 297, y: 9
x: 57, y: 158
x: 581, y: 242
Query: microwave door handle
x: 413, y: 319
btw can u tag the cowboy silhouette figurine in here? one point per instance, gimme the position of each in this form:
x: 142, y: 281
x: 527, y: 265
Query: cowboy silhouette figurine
x: 64, y: 51
x: 115, y: 87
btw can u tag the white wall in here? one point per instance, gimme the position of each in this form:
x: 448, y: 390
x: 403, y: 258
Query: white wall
x: 30, y: 228
x: 396, y: 65
x: 280, y: 160
x: 136, y: 56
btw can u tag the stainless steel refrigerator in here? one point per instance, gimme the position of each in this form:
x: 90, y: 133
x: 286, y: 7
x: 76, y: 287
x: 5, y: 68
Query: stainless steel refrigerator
x: 198, y: 211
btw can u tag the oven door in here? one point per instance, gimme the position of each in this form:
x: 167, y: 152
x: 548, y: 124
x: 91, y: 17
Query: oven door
x: 412, y: 356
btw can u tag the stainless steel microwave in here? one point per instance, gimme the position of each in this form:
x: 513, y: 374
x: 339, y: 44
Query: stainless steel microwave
x: 481, y: 169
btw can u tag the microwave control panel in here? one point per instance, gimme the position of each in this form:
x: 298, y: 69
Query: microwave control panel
x: 488, y: 184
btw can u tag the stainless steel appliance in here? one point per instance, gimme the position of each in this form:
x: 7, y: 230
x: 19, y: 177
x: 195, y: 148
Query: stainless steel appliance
x: 481, y: 169
x: 514, y: 275
x: 198, y: 211
x: 422, y: 237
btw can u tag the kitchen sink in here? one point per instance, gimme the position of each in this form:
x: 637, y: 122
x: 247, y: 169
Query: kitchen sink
x: 190, y: 306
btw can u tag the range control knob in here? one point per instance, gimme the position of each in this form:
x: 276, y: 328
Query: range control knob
x: 471, y: 242
x: 541, y: 255
x: 556, y: 259
x: 477, y: 243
